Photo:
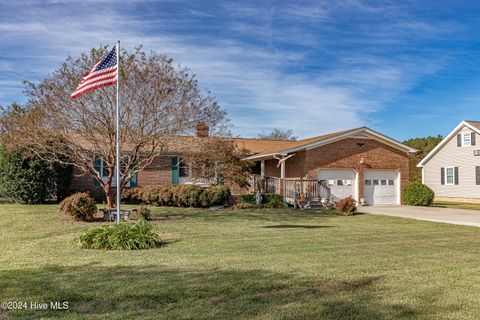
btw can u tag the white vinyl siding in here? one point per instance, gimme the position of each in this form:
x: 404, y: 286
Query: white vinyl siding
x: 451, y: 155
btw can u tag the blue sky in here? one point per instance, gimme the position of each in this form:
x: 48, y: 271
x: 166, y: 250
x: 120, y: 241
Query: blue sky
x: 405, y: 68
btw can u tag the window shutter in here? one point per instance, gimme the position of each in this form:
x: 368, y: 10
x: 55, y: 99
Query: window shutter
x: 477, y: 174
x: 175, y: 171
x: 134, y: 179
x: 442, y: 175
x: 459, y: 140
x: 473, y: 138
x: 456, y: 175
x: 98, y: 167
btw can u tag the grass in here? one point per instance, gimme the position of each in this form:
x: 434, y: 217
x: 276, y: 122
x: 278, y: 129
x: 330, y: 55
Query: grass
x: 257, y: 264
x: 458, y: 205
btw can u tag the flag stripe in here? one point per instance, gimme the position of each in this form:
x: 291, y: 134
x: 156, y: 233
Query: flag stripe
x: 93, y: 87
x: 104, y: 73
x: 99, y: 78
x: 92, y: 74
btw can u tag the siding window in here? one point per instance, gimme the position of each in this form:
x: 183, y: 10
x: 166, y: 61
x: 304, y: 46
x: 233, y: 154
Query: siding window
x: 477, y: 175
x: 466, y: 139
x: 450, y: 176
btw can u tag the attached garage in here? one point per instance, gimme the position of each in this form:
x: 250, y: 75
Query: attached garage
x: 381, y: 187
x: 342, y: 182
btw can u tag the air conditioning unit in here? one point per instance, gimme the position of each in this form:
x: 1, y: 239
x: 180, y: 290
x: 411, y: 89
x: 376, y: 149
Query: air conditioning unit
x: 476, y: 152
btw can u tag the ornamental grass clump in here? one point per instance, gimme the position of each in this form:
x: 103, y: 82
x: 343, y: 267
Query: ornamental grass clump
x: 123, y: 236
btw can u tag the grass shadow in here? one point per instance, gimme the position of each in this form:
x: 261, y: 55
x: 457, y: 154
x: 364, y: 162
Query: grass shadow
x: 296, y: 226
x: 97, y: 292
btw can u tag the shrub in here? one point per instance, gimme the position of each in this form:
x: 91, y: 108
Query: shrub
x: 245, y: 205
x: 122, y: 236
x: 132, y: 196
x: 28, y: 179
x: 269, y: 200
x: 181, y: 196
x: 218, y: 195
x: 80, y: 206
x: 418, y: 194
x: 346, y: 206
x: 145, y: 213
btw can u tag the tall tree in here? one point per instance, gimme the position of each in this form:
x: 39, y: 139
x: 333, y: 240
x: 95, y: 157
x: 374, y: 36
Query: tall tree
x: 157, y: 100
x: 219, y: 160
x: 277, y: 134
x: 424, y: 145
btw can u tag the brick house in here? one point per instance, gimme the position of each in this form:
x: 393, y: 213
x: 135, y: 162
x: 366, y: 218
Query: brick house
x: 359, y: 162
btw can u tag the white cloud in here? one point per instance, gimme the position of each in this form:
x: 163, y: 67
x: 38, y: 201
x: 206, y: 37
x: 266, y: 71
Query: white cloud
x: 250, y: 78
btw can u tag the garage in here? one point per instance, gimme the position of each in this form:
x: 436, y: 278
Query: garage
x: 381, y: 187
x: 341, y: 182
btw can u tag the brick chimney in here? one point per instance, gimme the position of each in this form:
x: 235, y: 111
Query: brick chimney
x: 202, y: 129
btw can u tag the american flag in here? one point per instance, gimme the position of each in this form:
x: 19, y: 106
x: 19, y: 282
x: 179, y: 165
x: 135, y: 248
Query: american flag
x: 103, y: 74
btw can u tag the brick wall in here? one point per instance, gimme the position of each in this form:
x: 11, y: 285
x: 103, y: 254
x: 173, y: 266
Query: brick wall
x: 295, y: 166
x: 347, y: 153
x: 271, y: 169
x: 158, y: 172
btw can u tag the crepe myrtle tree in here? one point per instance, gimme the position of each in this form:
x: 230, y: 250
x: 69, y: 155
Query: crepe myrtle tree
x: 219, y: 160
x: 158, y: 100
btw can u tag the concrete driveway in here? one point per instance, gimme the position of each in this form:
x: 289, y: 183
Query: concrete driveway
x: 436, y: 214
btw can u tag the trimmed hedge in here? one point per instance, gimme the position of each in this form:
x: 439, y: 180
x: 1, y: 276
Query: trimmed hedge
x: 418, y: 194
x: 179, y: 196
x: 80, y: 206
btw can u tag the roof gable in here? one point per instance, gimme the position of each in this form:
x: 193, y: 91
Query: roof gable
x: 314, y: 142
x: 473, y: 125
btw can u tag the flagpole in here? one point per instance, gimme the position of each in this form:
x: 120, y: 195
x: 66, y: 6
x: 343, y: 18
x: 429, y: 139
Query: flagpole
x: 117, y: 124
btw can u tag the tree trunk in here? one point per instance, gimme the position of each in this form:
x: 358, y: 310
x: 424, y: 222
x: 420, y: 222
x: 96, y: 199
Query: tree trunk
x: 109, y: 196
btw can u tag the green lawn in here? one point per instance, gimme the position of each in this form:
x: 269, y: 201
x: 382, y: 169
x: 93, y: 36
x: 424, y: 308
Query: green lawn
x: 261, y: 264
x: 458, y: 205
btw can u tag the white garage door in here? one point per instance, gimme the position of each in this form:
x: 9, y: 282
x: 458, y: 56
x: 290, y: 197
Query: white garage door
x: 341, y: 182
x: 380, y: 187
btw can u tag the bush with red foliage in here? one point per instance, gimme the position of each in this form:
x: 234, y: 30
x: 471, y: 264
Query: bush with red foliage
x: 346, y: 206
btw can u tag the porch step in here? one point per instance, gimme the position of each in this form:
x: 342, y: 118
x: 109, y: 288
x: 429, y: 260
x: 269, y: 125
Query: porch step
x: 314, y: 205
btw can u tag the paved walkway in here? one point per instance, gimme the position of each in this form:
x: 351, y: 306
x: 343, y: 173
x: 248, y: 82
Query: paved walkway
x: 446, y: 215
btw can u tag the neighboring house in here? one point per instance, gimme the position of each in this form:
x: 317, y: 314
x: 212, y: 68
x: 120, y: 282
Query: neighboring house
x: 359, y: 162
x: 452, y: 168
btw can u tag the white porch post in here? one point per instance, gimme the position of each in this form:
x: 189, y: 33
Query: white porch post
x: 282, y: 170
x: 262, y: 169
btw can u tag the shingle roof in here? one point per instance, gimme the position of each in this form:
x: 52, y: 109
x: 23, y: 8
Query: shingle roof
x: 476, y: 124
x: 256, y: 147
x: 304, y: 142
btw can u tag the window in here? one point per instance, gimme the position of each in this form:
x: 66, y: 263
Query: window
x: 183, y: 169
x: 466, y: 139
x: 368, y: 182
x: 330, y: 183
x: 449, y: 175
x: 375, y: 182
x: 101, y: 167
x: 383, y: 182
x: 391, y: 182
x: 339, y: 182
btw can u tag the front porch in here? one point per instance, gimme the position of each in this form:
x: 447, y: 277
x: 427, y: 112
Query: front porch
x: 292, y: 189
